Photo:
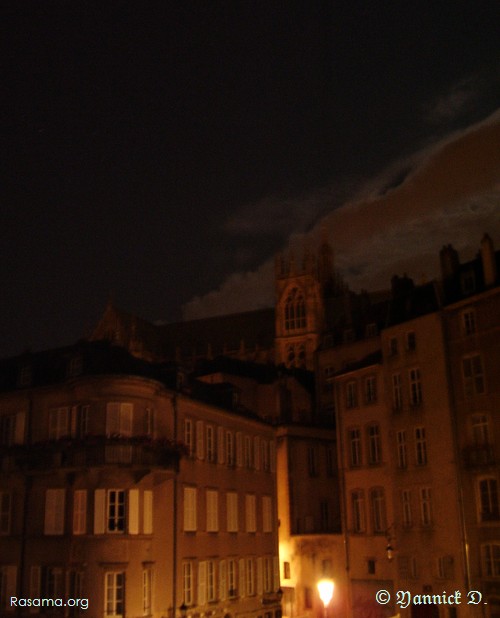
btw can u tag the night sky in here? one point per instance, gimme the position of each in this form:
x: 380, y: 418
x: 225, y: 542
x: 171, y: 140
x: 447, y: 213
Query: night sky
x: 161, y: 152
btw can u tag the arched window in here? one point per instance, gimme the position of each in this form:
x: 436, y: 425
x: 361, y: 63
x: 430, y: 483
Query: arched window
x: 295, y: 310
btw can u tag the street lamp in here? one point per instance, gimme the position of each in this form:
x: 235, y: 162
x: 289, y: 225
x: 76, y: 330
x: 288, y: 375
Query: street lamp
x: 325, y: 589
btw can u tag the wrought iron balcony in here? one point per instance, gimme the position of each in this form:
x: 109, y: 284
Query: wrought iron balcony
x: 478, y: 455
x: 93, y: 451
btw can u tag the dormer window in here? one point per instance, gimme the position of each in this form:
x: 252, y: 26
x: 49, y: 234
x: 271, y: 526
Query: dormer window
x: 295, y: 310
x: 75, y: 366
x: 25, y: 375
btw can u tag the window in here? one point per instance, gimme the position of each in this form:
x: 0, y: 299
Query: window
x: 312, y: 465
x: 267, y: 514
x: 200, y: 440
x: 54, y: 511
x: 286, y: 570
x: 377, y: 505
x: 370, y: 389
x: 397, y: 392
x: 250, y: 577
x: 354, y: 439
x: 149, y: 422
x: 407, y: 567
x: 119, y: 419
x: 247, y: 452
x: 116, y: 510
x: 491, y: 559
x: 147, y: 514
x: 222, y: 580
x: 58, y: 423
x: 256, y: 452
x: 411, y: 341
x: 425, y: 506
x: 324, y: 513
x: 268, y: 574
x: 147, y: 592
x: 374, y: 445
x: 212, y: 510
x: 371, y: 566
x: 415, y: 387
x: 188, y: 436
x: 445, y: 567
x: 189, y: 509
x: 420, y: 446
x: 472, y: 367
x: 115, y: 594
x: 401, y: 449
x: 80, y: 511
x: 358, y: 510
x: 351, y: 395
x: 230, y: 448
x: 232, y: 511
x: 211, y: 579
x: 202, y: 583
x: 480, y: 430
x: 330, y: 461
x: 488, y: 500
x: 187, y: 582
x: 295, y: 310
x: 80, y: 421
x: 264, y: 447
x: 406, y: 508
x: 469, y: 322
x: 210, y: 443
x: 250, y: 513
x: 239, y: 449
x: 231, y: 578
x: 5, y: 512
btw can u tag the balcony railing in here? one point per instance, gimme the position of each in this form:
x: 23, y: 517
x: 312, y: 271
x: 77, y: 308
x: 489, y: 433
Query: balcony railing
x: 93, y: 451
x: 477, y: 455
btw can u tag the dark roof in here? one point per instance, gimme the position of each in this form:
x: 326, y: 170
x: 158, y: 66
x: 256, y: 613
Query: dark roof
x: 375, y: 358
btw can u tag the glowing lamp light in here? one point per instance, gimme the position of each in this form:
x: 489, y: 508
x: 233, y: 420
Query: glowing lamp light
x: 325, y: 589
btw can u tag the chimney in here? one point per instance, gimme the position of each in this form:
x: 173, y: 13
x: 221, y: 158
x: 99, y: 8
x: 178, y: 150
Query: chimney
x: 449, y: 261
x: 488, y: 261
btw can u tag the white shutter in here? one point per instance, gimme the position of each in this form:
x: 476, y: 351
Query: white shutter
x: 200, y: 440
x: 256, y: 453
x: 126, y: 419
x: 239, y: 449
x: 220, y: 445
x: 19, y: 428
x: 260, y: 587
x: 54, y: 511
x: 99, y: 511
x: 276, y: 572
x: 112, y: 418
x: 80, y: 511
x: 241, y: 572
x: 222, y: 580
x: 148, y: 512
x: 133, y: 511
x: 202, y: 583
x: 35, y: 576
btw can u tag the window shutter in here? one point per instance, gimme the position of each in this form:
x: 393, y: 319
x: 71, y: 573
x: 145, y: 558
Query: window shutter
x: 241, y: 571
x: 35, y: 576
x: 222, y: 580
x: 54, y: 511
x: 189, y: 509
x: 259, y: 576
x: 80, y: 511
x: 148, y: 512
x: 221, y: 445
x: 200, y: 440
x: 133, y: 511
x: 202, y: 583
x: 126, y: 419
x: 256, y: 453
x: 99, y: 511
x: 19, y: 428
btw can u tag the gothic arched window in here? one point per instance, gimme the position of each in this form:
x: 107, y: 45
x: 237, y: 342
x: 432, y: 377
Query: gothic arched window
x: 295, y: 310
